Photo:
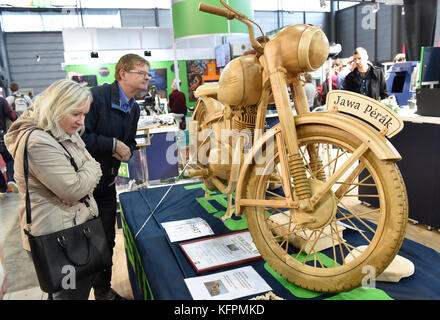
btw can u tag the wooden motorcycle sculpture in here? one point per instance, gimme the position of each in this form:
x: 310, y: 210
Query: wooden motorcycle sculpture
x: 296, y: 182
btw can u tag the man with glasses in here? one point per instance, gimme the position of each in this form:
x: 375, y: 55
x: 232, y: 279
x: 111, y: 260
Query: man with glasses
x: 110, y: 130
x: 366, y: 79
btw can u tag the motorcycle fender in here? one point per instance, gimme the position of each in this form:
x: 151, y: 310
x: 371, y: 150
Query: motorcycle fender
x: 379, y: 145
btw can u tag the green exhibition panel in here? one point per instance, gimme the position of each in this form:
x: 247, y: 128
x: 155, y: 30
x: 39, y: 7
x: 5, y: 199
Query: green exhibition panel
x: 188, y: 21
x: 100, y: 73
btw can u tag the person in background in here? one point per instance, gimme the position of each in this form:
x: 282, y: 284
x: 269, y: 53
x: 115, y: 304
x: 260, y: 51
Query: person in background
x: 400, y: 57
x: 150, y: 100
x: 337, y: 66
x: 6, y: 113
x: 310, y: 90
x: 366, y: 79
x: 110, y: 131
x: 327, y: 85
x: 349, y: 67
x: 60, y: 197
x: 18, y: 100
x: 177, y: 104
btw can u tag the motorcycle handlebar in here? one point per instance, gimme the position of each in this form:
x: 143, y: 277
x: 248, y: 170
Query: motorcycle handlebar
x: 219, y: 11
x: 229, y: 14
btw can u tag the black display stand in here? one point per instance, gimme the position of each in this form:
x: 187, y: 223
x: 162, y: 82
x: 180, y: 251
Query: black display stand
x: 419, y: 146
x: 428, y: 102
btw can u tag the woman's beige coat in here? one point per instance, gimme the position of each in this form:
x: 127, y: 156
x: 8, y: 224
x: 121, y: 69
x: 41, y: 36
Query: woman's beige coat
x: 52, y: 178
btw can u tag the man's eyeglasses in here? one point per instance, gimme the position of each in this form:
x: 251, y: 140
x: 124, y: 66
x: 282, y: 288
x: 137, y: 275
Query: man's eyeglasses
x: 143, y: 74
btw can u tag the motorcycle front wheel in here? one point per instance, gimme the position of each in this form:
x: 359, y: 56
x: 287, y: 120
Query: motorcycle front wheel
x: 354, y: 241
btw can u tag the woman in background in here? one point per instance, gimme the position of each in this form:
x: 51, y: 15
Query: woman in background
x: 310, y: 90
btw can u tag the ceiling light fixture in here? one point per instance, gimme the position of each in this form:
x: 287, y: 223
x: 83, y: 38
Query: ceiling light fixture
x: 375, y: 7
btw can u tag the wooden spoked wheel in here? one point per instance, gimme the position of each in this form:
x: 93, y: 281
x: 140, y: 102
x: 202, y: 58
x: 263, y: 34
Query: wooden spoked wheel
x: 200, y: 114
x: 203, y: 142
x: 351, y: 240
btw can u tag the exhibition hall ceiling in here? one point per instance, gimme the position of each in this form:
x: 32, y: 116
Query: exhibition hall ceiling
x: 287, y: 5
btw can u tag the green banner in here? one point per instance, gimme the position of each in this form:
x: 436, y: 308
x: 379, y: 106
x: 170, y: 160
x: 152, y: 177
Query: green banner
x: 189, y: 21
x: 93, y: 74
x: 41, y: 3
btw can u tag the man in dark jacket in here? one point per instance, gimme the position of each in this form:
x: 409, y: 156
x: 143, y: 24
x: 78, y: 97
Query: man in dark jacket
x: 110, y: 131
x: 366, y: 79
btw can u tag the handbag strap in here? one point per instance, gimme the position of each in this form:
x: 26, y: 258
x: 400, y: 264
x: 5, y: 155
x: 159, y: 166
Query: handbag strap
x: 26, y: 179
x: 26, y: 176
x: 72, y: 161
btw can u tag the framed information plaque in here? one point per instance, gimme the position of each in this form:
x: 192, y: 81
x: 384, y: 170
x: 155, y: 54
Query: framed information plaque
x: 220, y: 251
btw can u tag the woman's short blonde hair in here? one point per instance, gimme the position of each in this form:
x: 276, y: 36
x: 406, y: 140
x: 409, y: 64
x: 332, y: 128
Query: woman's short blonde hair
x: 59, y: 99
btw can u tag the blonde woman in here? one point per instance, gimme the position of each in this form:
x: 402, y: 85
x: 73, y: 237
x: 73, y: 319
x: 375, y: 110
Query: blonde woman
x: 56, y: 189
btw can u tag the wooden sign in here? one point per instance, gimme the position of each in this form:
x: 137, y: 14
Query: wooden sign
x: 366, y: 108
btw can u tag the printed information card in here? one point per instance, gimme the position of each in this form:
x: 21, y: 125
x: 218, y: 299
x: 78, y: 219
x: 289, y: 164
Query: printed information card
x: 187, y: 229
x: 220, y: 251
x: 227, y: 285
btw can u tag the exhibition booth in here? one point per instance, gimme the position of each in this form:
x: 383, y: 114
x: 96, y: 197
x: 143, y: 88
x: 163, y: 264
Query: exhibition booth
x: 174, y: 207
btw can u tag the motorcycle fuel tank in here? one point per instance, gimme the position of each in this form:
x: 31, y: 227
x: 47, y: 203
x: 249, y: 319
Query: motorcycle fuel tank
x: 240, y: 81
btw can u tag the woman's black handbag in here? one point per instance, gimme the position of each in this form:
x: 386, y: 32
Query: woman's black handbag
x: 82, y: 249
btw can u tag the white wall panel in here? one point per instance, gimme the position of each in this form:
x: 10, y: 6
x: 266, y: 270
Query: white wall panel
x: 95, y: 39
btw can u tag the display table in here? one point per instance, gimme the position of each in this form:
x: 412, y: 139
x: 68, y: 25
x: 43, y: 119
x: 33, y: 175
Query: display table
x: 419, y: 145
x: 157, y: 267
